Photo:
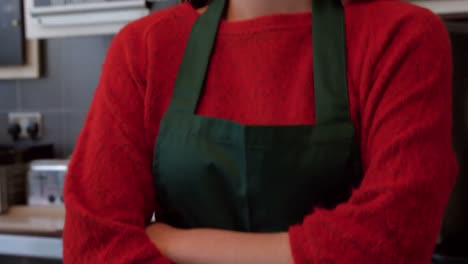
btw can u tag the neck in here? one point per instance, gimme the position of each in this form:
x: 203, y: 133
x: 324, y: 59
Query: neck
x: 247, y: 9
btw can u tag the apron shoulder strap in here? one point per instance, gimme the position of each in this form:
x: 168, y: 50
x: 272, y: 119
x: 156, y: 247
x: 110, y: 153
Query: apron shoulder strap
x: 329, y: 51
x: 196, y: 59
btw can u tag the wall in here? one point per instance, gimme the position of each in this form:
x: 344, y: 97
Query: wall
x: 72, y: 68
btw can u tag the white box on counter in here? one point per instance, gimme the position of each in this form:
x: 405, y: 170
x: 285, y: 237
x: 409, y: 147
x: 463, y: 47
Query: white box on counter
x: 45, y: 182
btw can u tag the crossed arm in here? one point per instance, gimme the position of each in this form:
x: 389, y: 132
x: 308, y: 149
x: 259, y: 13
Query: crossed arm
x: 210, y: 246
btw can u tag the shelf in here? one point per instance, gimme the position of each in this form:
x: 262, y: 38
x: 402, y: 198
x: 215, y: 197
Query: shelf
x: 458, y: 8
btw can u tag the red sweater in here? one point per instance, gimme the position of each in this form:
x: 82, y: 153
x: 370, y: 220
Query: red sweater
x: 399, y: 77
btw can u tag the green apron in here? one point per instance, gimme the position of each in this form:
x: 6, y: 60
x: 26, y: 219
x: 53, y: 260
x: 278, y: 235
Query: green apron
x: 215, y: 173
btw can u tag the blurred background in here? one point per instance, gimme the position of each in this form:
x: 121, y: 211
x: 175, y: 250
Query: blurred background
x: 51, y: 52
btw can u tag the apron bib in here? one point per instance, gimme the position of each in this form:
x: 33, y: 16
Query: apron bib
x: 215, y: 173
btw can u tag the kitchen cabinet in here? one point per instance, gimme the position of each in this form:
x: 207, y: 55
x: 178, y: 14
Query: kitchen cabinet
x: 59, y: 18
x: 11, y: 33
x: 31, y: 68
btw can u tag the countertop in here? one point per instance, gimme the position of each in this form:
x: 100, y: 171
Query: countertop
x: 32, y: 232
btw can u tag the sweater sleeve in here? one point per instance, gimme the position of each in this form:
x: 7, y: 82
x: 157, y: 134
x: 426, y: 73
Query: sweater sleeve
x: 408, y: 162
x: 108, y: 192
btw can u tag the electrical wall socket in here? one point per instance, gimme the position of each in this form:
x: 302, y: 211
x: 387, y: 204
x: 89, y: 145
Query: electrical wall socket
x: 24, y: 119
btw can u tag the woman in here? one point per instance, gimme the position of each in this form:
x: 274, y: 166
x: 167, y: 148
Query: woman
x: 273, y: 143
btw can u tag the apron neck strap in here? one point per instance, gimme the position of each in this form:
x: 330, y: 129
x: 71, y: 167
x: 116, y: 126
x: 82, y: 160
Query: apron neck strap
x: 195, y: 62
x: 329, y: 46
x: 329, y: 58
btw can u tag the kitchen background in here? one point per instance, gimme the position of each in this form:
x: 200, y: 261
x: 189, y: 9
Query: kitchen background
x: 71, y: 71
x: 71, y: 68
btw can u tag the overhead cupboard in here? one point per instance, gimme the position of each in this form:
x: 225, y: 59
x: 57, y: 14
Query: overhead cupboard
x: 65, y: 18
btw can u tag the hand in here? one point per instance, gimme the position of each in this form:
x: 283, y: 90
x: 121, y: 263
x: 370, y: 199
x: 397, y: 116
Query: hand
x: 165, y: 238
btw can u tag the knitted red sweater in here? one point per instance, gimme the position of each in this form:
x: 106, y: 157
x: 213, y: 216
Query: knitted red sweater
x: 399, y: 76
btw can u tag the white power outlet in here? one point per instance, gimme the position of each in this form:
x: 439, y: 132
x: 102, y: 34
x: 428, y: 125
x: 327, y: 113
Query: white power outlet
x: 24, y: 120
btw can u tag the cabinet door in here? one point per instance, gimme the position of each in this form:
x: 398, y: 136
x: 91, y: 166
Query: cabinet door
x: 11, y: 33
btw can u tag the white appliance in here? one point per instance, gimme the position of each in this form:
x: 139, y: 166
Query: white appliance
x: 46, y: 179
x: 66, y: 18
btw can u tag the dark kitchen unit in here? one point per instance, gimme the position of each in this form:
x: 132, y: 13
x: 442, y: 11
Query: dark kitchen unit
x: 14, y: 160
x: 453, y: 245
x: 11, y: 33
x: 23, y: 227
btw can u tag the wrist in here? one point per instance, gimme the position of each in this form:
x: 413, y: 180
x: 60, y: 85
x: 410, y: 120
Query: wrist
x: 179, y: 246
